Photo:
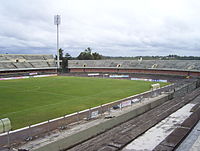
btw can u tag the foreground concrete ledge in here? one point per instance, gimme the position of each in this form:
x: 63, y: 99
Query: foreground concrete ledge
x: 85, y: 130
x: 180, y: 133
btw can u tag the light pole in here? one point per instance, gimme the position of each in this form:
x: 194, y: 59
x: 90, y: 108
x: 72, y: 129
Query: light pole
x: 57, y: 23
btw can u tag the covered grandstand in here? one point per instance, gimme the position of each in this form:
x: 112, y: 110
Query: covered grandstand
x: 21, y: 64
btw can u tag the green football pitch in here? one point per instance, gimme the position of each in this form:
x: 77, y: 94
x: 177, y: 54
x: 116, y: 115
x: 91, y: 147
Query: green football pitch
x: 30, y: 101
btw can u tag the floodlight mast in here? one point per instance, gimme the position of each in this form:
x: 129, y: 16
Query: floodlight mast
x: 57, y: 23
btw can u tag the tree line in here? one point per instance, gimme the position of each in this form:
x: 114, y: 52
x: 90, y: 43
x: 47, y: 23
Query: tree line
x: 87, y: 54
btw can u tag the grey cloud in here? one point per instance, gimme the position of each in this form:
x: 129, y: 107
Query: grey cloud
x: 117, y: 28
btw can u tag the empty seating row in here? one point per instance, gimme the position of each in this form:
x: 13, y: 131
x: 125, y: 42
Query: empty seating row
x: 144, y: 64
x: 11, y: 61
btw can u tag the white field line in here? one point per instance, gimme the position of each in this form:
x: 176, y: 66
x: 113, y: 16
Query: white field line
x: 56, y: 119
x: 26, y: 77
x: 75, y: 112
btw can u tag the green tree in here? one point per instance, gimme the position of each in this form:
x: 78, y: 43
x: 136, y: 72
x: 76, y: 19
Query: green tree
x: 64, y: 64
x: 88, y: 55
x: 68, y: 56
x: 64, y: 59
x: 96, y: 56
x: 60, y: 54
x: 88, y: 50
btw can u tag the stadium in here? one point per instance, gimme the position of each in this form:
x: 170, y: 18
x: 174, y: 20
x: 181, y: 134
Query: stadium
x: 100, y: 99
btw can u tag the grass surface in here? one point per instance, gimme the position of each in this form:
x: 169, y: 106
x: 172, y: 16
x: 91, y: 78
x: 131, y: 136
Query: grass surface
x: 30, y: 101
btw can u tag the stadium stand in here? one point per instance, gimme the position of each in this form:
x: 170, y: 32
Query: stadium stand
x: 145, y: 64
x: 25, y: 63
x: 183, y: 67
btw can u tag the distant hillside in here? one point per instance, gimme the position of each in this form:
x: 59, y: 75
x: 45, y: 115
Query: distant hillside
x: 169, y: 57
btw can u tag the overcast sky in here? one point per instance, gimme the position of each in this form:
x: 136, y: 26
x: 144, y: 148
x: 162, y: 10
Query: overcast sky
x: 109, y: 27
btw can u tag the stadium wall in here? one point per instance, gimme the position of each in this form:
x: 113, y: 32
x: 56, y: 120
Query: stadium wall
x: 142, y: 71
x: 13, y: 73
x: 159, y: 67
x: 96, y: 129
